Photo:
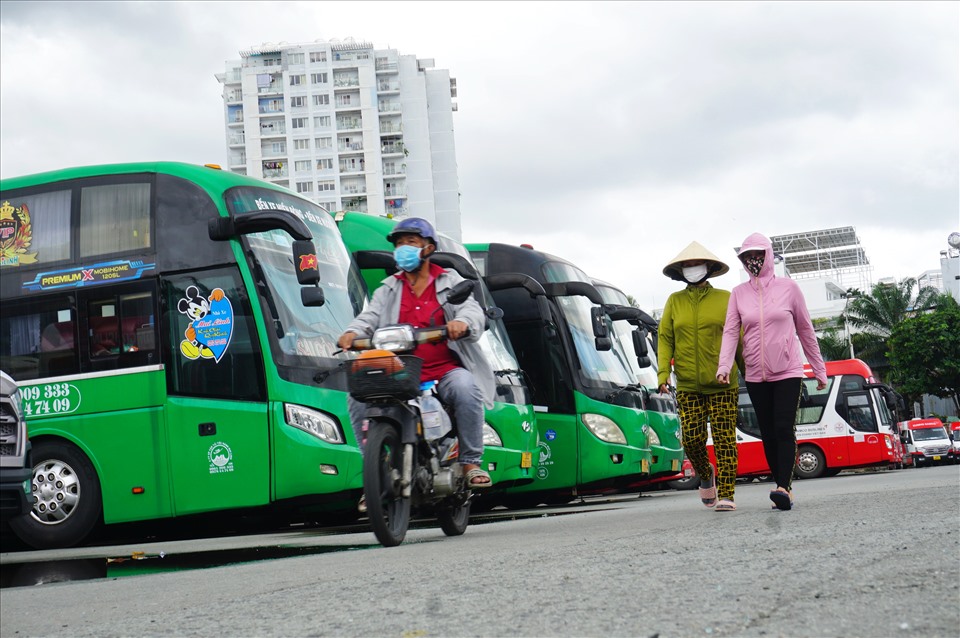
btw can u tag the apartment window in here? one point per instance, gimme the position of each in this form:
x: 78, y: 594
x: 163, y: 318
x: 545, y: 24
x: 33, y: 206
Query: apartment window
x: 294, y: 58
x: 304, y: 187
x: 279, y: 147
x: 301, y: 165
x: 324, y: 142
x: 301, y: 145
x: 318, y: 56
x: 325, y: 164
x: 318, y: 78
x: 297, y: 80
x: 298, y: 100
x: 321, y: 121
x: 321, y: 100
x: 298, y: 122
x: 326, y: 186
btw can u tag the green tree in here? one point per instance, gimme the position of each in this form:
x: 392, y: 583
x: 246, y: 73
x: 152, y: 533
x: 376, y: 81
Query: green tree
x: 879, y: 313
x: 833, y: 345
x: 925, y: 352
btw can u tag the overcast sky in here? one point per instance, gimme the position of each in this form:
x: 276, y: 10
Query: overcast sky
x: 611, y: 134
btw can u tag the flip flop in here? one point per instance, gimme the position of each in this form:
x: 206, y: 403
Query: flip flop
x: 725, y: 505
x: 708, y: 495
x: 781, y: 499
x: 474, y: 473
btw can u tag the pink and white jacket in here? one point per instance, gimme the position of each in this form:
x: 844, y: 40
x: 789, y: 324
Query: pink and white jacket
x: 772, y: 313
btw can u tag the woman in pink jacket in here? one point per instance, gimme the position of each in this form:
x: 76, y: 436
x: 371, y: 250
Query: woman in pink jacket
x: 772, y: 313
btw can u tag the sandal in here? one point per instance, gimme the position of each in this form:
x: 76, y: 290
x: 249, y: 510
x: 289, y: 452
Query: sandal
x: 725, y: 505
x: 708, y: 495
x: 474, y: 473
x: 362, y: 504
x: 782, y: 500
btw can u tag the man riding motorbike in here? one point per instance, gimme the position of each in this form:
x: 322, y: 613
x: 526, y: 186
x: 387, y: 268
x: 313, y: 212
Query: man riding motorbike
x: 416, y: 296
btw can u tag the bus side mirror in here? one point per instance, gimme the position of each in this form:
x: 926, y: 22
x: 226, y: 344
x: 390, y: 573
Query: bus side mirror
x: 640, y: 345
x: 599, y: 320
x: 305, y: 262
x: 494, y: 313
x: 312, y: 296
x: 461, y: 292
x: 602, y: 343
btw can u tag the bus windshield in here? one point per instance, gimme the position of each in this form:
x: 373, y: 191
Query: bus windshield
x: 597, y: 368
x: 303, y: 336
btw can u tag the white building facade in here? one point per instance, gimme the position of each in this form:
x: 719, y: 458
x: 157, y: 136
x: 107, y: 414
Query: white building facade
x: 348, y: 126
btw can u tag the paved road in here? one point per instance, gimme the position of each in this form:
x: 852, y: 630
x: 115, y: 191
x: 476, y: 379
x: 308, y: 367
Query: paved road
x: 861, y: 555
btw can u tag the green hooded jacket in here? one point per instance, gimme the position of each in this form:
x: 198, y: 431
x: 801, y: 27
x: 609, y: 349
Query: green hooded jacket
x: 690, y: 334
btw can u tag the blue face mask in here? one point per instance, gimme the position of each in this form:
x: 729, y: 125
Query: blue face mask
x: 407, y: 258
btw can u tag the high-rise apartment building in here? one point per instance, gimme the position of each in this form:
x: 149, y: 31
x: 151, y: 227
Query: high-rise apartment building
x: 347, y: 126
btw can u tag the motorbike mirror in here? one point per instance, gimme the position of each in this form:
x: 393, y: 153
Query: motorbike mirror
x: 598, y: 318
x: 460, y: 292
x: 602, y: 344
x: 494, y: 313
x: 305, y: 262
x: 312, y: 296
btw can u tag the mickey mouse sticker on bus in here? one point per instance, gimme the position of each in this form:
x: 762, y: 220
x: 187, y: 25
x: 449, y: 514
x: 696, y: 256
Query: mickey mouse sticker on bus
x: 211, y: 324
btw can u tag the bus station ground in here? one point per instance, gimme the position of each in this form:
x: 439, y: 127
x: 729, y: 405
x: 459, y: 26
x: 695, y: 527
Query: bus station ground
x: 862, y: 554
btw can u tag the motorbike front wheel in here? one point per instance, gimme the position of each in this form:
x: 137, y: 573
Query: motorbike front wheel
x: 454, y: 519
x: 387, y: 509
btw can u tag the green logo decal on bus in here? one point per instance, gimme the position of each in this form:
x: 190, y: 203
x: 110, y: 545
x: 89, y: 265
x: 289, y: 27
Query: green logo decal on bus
x: 209, y: 332
x: 50, y: 399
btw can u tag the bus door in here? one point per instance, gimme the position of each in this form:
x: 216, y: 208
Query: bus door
x: 217, y: 427
x: 865, y: 443
x: 751, y: 460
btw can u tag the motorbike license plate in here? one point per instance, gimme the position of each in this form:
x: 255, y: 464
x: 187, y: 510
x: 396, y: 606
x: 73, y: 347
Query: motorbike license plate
x: 526, y: 459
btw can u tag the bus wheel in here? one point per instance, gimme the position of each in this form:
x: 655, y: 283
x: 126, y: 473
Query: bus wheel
x: 810, y: 463
x: 66, y: 498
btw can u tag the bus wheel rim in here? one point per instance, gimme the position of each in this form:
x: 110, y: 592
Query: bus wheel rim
x: 56, y: 492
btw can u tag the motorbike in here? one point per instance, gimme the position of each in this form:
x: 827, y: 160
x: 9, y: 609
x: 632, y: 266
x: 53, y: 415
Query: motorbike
x: 410, y: 455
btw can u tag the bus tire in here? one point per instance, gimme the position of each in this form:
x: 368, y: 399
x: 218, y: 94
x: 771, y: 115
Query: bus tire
x: 67, y: 503
x: 810, y: 462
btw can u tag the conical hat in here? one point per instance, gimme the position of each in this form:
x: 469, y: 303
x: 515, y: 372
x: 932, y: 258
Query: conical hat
x: 695, y: 250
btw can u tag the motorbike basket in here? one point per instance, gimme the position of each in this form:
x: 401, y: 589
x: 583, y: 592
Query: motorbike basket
x: 378, y: 377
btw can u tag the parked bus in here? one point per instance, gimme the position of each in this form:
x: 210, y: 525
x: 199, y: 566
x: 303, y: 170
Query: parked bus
x: 846, y: 425
x: 168, y: 332
x: 927, y: 440
x: 509, y: 435
x: 592, y: 427
x: 630, y: 326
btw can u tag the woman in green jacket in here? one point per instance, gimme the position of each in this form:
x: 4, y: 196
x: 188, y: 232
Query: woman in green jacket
x: 690, y: 334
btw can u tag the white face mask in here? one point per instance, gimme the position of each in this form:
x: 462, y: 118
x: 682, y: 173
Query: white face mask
x: 695, y: 274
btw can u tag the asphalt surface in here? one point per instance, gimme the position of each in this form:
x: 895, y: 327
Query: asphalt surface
x: 875, y: 554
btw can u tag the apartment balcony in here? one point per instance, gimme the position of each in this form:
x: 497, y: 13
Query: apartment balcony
x: 400, y: 173
x: 352, y: 147
x: 387, y: 128
x: 275, y: 170
x: 345, y: 82
x: 386, y: 67
x: 395, y: 191
x: 234, y: 97
x: 238, y: 159
x: 388, y: 87
x: 351, y: 167
x: 353, y: 189
x: 272, y: 153
x: 388, y: 107
x: 236, y: 139
x: 233, y: 77
x: 394, y: 149
x: 349, y: 123
x: 235, y: 119
x: 273, y: 131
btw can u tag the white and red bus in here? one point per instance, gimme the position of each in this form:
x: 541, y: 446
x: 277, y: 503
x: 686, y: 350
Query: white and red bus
x: 846, y: 425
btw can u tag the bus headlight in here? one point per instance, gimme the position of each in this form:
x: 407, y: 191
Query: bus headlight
x: 313, y: 422
x: 490, y: 436
x: 604, y: 428
x: 652, y: 437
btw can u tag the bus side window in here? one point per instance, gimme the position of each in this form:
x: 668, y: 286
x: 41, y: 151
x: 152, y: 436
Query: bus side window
x: 746, y: 416
x: 859, y: 412
x: 38, y: 339
x: 813, y: 402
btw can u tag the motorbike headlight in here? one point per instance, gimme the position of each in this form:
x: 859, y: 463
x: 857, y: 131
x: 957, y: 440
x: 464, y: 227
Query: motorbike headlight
x: 652, y: 437
x: 395, y: 339
x: 604, y: 428
x: 313, y: 422
x: 490, y: 436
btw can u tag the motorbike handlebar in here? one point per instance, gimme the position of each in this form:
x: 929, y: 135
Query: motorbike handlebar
x: 435, y: 334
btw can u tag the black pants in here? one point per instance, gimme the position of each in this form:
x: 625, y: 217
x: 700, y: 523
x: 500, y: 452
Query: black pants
x: 776, y: 405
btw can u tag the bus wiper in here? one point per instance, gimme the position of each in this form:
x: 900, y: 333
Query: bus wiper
x: 323, y: 375
x: 630, y: 387
x: 503, y: 373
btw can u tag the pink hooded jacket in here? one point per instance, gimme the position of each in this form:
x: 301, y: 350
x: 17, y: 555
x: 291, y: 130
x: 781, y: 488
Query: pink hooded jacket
x: 772, y: 312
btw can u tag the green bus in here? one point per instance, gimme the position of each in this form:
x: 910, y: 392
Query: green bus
x: 592, y: 426
x: 169, y: 325
x: 509, y: 433
x: 635, y: 333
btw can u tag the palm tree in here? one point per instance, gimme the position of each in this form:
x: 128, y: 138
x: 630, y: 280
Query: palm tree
x: 833, y: 345
x: 887, y: 305
x: 878, y: 313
